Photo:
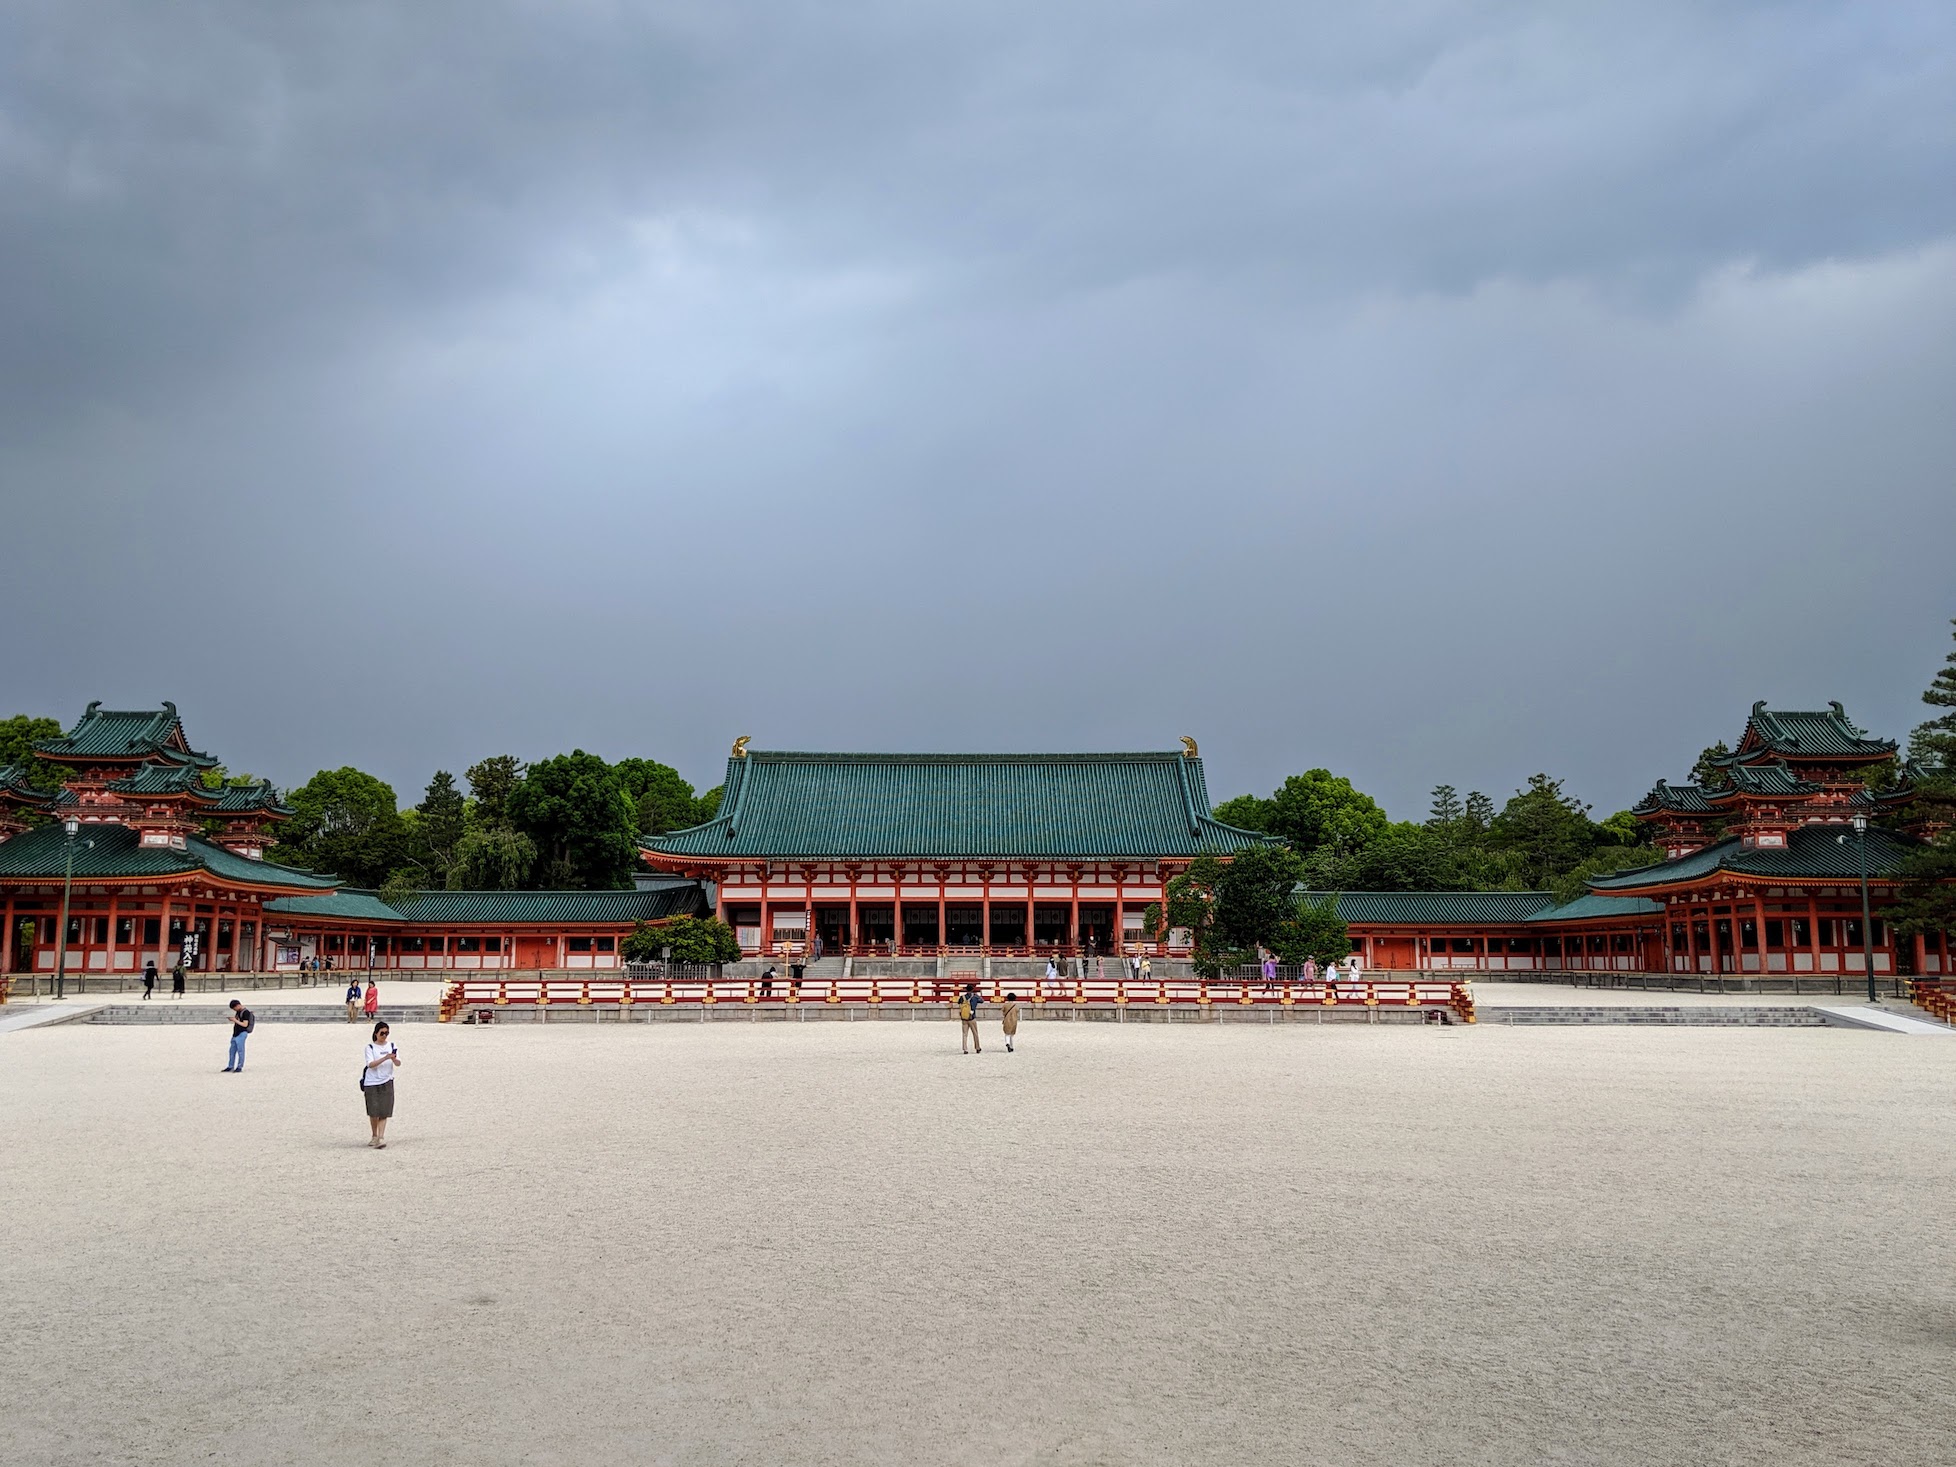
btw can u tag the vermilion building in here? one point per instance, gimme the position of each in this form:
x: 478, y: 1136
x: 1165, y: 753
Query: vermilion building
x: 161, y: 866
x: 893, y: 854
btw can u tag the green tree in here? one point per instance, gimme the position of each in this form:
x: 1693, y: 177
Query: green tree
x: 1245, y: 812
x: 692, y: 940
x: 1622, y: 829
x: 491, y: 782
x: 1479, y: 813
x: 575, y: 809
x: 1932, y: 746
x: 1321, y: 932
x: 1548, y: 832
x: 1232, y: 908
x: 439, y: 825
x: 1446, y: 812
x: 492, y: 858
x: 344, y: 821
x: 664, y: 800
x: 18, y: 736
x: 1403, y: 857
x: 399, y: 887
x: 1927, y: 899
x: 1707, y: 773
x: 709, y: 803
x: 1319, y: 808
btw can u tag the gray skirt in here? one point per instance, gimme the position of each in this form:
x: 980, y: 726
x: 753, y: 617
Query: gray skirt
x: 380, y: 1100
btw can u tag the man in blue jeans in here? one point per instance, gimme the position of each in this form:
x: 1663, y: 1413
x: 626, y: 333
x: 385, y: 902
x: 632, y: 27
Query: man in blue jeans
x: 242, y: 1022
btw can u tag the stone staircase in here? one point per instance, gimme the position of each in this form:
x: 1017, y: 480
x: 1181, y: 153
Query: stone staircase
x: 265, y: 1013
x: 1740, y: 1016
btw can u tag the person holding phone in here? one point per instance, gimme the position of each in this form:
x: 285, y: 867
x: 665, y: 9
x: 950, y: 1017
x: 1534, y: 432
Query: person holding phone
x: 377, y: 1084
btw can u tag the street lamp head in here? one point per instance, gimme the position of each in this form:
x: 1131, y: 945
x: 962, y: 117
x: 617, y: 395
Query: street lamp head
x: 71, y: 825
x: 1860, y: 823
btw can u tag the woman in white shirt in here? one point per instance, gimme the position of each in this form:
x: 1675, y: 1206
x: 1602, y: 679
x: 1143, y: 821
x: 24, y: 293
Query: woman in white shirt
x: 377, y: 1084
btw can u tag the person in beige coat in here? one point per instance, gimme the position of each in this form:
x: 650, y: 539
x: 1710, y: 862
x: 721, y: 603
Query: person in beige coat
x: 1008, y: 1019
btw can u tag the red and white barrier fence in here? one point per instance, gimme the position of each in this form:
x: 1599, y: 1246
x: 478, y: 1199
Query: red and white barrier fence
x: 467, y: 994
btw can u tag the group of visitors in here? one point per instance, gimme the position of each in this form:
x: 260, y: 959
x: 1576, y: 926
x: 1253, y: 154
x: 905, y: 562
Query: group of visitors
x: 383, y: 1058
x: 149, y: 979
x: 969, y: 1001
x: 356, y: 1004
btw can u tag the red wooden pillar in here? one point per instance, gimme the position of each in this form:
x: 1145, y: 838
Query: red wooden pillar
x: 1711, y: 932
x: 1759, y: 932
x: 940, y: 909
x: 1032, y: 906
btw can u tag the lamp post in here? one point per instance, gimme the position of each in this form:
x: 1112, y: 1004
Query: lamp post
x: 1867, y: 923
x: 73, y: 827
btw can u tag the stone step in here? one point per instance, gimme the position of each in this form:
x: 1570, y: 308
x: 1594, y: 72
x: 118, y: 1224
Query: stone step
x: 1747, y: 1016
x: 265, y: 1013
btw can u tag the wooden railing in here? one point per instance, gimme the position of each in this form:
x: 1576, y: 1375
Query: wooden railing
x: 1936, y: 996
x: 467, y: 994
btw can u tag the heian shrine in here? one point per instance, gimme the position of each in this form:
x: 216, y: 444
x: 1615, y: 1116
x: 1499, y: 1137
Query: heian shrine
x: 913, y: 854
x: 863, y: 856
x: 157, y: 865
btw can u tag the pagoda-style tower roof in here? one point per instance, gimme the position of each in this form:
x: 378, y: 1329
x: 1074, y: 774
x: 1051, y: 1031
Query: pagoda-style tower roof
x: 108, y: 736
x: 251, y: 799
x: 157, y: 782
x: 1805, y: 737
x: 1768, y: 780
x: 1666, y: 798
x: 1791, y: 769
x: 16, y: 788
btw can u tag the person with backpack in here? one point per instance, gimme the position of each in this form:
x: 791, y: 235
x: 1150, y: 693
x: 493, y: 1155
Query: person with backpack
x: 176, y: 980
x: 968, y: 1001
x: 243, y: 1021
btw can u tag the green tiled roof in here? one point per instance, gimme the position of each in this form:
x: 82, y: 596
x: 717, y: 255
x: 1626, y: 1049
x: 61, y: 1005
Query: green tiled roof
x: 104, y: 849
x: 1769, y: 778
x: 1797, y: 735
x: 553, y: 906
x: 1679, y: 799
x: 166, y: 779
x: 1812, y: 851
x: 1590, y: 905
x: 147, y: 733
x: 1438, y: 908
x: 363, y: 906
x: 17, y: 783
x: 865, y: 806
x: 243, y: 799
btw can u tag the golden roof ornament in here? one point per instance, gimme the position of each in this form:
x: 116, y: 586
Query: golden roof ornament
x: 1188, y: 747
x: 740, y: 746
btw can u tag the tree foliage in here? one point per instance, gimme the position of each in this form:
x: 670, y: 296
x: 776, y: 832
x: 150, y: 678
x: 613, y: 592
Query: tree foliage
x: 492, y: 858
x: 1927, y: 899
x: 692, y: 940
x: 491, y: 782
x: 344, y: 821
x: 1547, y: 832
x: 1233, y: 908
x: 439, y: 825
x: 1708, y: 773
x: 663, y: 798
x: 18, y: 736
x: 575, y: 810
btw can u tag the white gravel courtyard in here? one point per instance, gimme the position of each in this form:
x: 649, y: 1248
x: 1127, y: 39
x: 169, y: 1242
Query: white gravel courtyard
x: 846, y: 1243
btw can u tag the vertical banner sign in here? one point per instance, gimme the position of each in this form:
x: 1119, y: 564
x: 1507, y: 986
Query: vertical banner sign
x: 190, y: 949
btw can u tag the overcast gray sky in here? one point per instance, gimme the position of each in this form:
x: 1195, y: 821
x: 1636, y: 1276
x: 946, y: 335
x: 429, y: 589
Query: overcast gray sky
x: 1430, y: 391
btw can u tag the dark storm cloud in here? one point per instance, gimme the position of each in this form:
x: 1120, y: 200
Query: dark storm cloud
x: 1434, y: 391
